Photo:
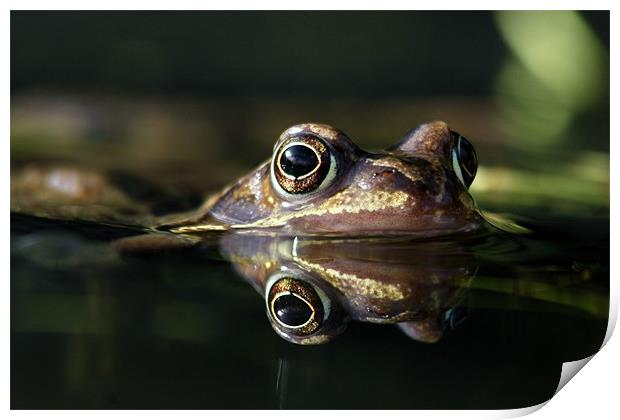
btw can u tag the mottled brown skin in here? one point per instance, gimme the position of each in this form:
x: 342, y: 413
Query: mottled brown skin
x: 374, y: 281
x: 410, y: 187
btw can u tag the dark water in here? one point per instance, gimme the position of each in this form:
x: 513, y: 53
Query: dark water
x: 184, y: 330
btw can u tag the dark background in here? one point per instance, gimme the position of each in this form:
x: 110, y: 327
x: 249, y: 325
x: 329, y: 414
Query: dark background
x: 171, y: 96
x: 350, y: 53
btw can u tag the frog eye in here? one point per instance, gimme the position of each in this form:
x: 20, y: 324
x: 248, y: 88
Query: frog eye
x: 295, y: 305
x: 464, y: 160
x: 302, y: 165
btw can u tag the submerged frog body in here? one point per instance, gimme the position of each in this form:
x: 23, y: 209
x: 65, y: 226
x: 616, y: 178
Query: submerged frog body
x: 319, y: 182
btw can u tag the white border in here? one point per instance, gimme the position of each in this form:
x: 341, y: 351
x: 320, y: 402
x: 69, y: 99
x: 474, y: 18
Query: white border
x: 593, y: 394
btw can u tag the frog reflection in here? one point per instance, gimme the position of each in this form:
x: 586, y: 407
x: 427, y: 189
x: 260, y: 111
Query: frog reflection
x: 314, y: 287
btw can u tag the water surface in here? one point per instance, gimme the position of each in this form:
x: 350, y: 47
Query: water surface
x: 94, y: 330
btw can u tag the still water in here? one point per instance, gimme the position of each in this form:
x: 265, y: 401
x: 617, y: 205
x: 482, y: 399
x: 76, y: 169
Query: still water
x: 493, y: 317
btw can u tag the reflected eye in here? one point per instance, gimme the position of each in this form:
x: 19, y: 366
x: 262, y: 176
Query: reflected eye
x: 302, y: 165
x: 296, y: 305
x: 464, y: 160
x: 292, y: 310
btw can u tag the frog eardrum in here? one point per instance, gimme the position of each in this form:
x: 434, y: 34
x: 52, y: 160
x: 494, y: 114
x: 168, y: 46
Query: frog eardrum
x: 295, y: 305
x: 464, y: 160
x: 302, y: 165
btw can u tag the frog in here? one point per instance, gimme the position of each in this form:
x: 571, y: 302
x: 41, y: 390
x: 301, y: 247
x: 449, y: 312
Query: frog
x: 317, y: 182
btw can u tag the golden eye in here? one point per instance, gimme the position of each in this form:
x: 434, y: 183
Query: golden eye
x: 295, y: 305
x: 302, y: 165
